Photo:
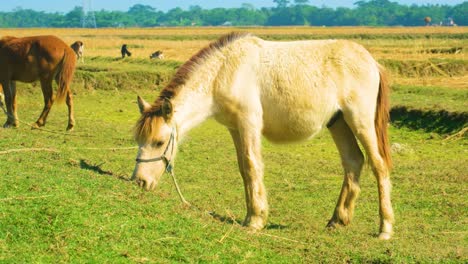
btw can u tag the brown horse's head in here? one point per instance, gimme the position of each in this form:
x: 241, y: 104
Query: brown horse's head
x: 157, y: 142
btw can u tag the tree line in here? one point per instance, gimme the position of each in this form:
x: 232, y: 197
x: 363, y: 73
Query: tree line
x: 286, y: 13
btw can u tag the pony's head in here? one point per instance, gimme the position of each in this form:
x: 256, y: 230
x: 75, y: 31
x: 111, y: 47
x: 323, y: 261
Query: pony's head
x: 156, y: 136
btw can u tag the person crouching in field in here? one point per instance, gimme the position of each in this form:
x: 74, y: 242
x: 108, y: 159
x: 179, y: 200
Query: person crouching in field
x: 125, y: 51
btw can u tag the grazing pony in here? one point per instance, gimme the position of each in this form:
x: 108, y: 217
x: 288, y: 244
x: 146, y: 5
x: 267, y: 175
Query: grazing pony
x: 285, y: 91
x: 43, y: 58
x: 78, y: 48
x: 157, y: 55
x: 124, y: 51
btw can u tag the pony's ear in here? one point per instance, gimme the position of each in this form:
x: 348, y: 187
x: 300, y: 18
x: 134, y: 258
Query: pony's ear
x: 143, y: 105
x: 167, y: 110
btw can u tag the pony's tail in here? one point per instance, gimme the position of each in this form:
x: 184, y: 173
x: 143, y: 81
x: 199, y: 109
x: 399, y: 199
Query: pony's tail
x: 65, y: 74
x: 382, y: 117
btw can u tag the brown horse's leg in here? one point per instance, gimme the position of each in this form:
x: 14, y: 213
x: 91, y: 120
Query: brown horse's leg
x: 71, y: 119
x: 9, y: 90
x: 364, y: 130
x: 47, y: 92
x: 251, y: 169
x: 352, y: 161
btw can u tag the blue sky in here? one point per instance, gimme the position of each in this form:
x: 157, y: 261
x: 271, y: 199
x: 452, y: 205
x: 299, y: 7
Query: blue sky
x: 164, y: 5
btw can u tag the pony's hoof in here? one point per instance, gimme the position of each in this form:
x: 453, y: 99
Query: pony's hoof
x: 332, y: 224
x: 70, y: 128
x: 35, y: 126
x: 254, y: 223
x: 385, y: 236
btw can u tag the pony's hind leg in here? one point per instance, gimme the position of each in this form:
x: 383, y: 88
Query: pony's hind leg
x: 251, y: 169
x: 47, y: 92
x: 352, y: 161
x: 364, y: 130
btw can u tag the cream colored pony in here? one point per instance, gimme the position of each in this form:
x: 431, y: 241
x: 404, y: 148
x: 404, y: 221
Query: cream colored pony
x: 286, y: 91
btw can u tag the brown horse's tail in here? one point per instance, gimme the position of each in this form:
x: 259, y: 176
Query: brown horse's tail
x: 65, y: 74
x: 382, y: 117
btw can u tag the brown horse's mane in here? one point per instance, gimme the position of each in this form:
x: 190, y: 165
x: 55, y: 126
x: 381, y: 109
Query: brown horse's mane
x: 6, y: 39
x: 144, y: 127
x: 184, y: 72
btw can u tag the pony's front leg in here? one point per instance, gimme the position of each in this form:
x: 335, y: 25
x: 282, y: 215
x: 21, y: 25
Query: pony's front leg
x: 9, y: 90
x: 248, y: 147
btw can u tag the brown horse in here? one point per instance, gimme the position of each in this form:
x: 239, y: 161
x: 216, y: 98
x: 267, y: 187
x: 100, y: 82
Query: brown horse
x: 285, y: 91
x: 43, y: 58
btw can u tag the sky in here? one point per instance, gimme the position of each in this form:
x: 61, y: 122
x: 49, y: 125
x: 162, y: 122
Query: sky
x: 65, y: 6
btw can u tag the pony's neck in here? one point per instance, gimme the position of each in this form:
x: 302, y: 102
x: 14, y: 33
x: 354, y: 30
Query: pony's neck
x: 191, y: 111
x: 194, y: 102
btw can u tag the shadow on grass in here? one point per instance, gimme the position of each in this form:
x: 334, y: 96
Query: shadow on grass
x: 232, y: 221
x: 441, y: 122
x: 86, y: 165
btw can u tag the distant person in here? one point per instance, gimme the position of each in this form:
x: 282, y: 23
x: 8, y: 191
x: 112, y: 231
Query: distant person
x: 125, y: 51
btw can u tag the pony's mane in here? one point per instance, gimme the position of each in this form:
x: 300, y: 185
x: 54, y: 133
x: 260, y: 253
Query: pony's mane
x: 144, y: 127
x: 184, y: 72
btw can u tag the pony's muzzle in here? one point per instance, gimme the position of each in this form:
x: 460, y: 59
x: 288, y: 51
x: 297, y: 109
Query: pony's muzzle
x: 143, y: 179
x: 146, y: 184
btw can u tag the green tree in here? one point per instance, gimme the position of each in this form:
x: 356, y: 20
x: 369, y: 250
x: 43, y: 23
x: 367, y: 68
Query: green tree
x: 369, y: 13
x: 73, y: 18
x: 459, y: 13
x: 281, y: 3
x: 143, y: 15
x: 301, y: 2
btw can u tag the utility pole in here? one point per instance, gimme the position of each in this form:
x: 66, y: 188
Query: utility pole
x: 87, y: 18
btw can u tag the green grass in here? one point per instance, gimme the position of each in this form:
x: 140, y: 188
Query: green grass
x: 428, y: 98
x: 74, y: 203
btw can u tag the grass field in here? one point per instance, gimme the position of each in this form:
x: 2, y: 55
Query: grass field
x: 67, y: 197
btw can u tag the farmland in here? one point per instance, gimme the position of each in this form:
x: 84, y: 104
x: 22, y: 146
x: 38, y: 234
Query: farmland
x: 66, y: 197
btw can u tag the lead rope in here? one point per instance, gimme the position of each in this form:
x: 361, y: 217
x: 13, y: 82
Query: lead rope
x: 181, y: 196
x: 170, y: 170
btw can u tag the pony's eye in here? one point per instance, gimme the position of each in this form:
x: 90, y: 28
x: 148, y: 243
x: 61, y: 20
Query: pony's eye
x: 158, y: 144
